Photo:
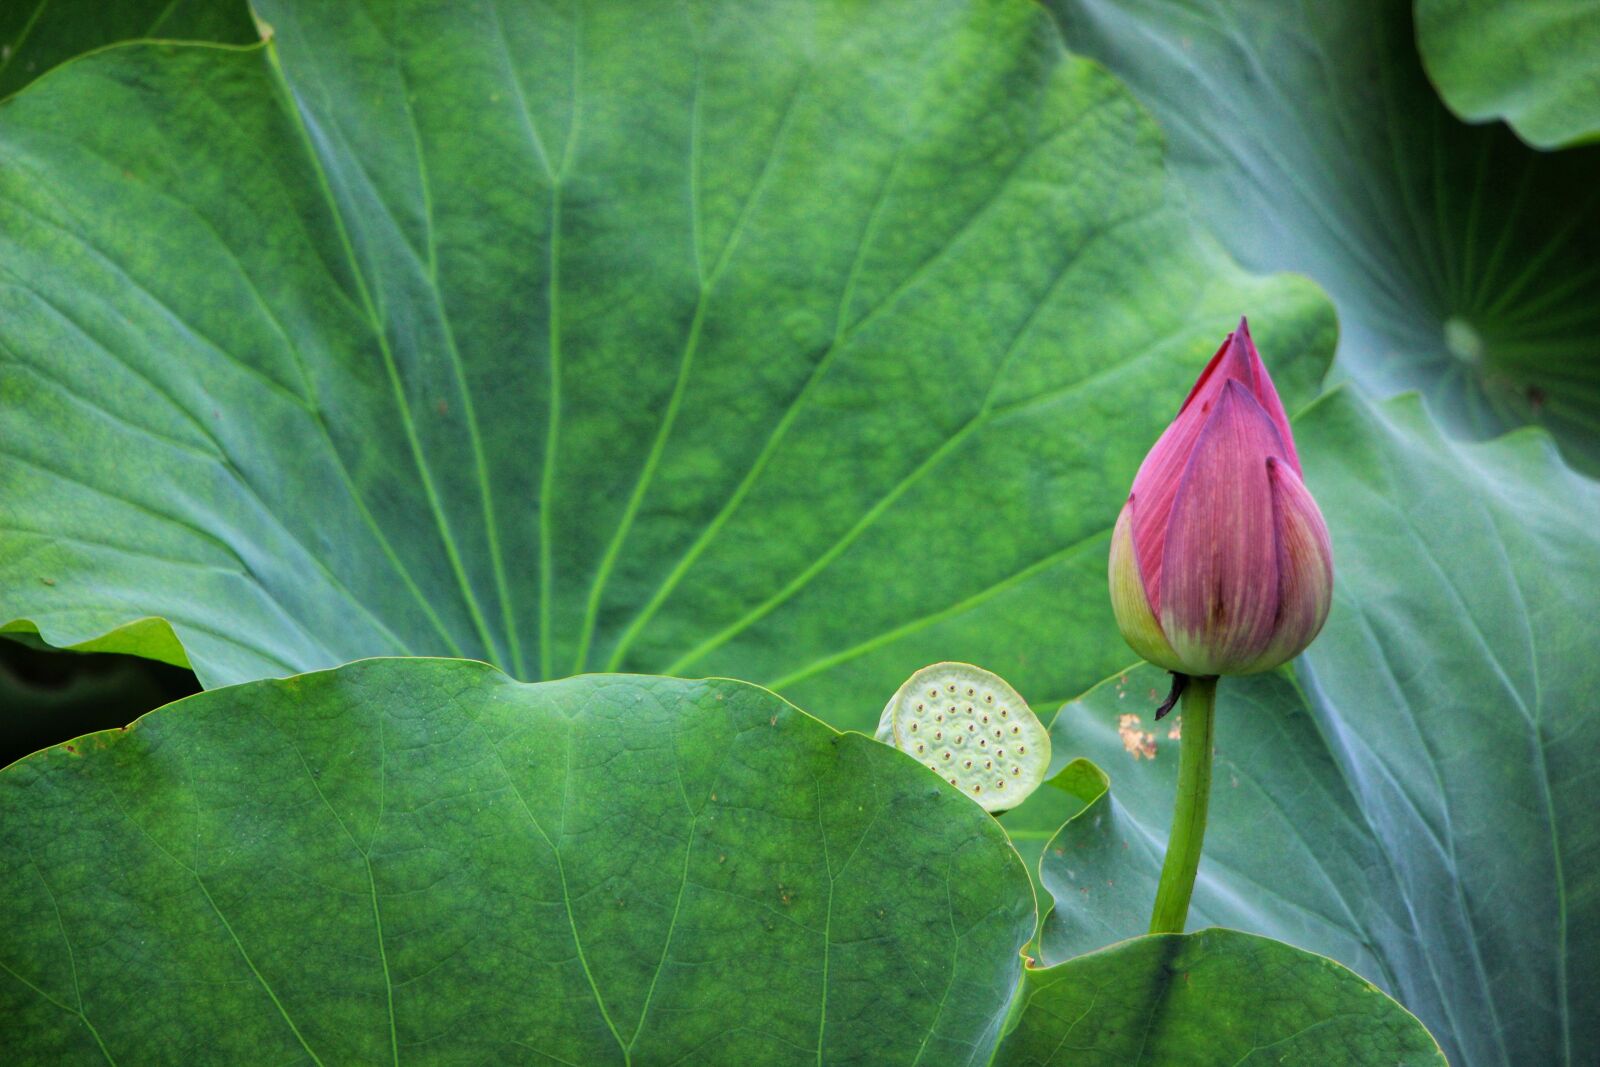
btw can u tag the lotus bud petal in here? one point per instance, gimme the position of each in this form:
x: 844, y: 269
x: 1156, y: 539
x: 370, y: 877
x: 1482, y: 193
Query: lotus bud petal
x: 1220, y: 560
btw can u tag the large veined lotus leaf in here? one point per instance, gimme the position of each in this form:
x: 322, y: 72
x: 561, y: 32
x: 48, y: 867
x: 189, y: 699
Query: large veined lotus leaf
x: 1463, y: 263
x: 423, y: 860
x: 34, y: 37
x: 48, y: 696
x: 1420, y: 806
x: 1036, y: 822
x: 1213, y: 997
x: 802, y: 342
x: 1535, y: 65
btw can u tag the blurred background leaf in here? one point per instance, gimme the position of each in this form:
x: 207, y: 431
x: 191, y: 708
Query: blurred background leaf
x: 1463, y: 263
x: 1534, y: 64
x: 37, y: 35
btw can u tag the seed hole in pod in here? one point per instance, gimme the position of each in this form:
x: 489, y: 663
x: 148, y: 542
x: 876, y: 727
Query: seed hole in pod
x: 951, y: 687
x: 959, y: 739
x: 1016, y: 729
x: 972, y: 727
x: 952, y: 781
x: 988, y: 764
x: 921, y: 746
x: 983, y: 742
x: 967, y: 764
x: 938, y: 718
x: 988, y: 698
x: 999, y: 752
x: 952, y: 709
x: 970, y: 690
x: 1004, y: 713
x: 913, y: 727
x: 931, y: 767
x: 1015, y: 771
x: 1022, y: 750
x: 921, y: 708
x: 985, y: 720
x: 938, y: 735
x: 977, y: 789
x: 1000, y: 783
x: 998, y: 736
x: 969, y: 709
x: 948, y: 754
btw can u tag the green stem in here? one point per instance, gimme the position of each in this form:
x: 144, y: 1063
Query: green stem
x: 1189, y: 813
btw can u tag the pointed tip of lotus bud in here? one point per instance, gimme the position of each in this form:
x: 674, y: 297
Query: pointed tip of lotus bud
x: 1239, y: 360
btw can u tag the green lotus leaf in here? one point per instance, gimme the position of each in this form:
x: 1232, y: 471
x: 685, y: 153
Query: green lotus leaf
x: 1287, y: 851
x: 802, y: 342
x: 1464, y: 264
x: 1417, y: 806
x: 1213, y: 997
x: 423, y: 860
x: 47, y: 695
x: 35, y: 37
x: 1535, y: 65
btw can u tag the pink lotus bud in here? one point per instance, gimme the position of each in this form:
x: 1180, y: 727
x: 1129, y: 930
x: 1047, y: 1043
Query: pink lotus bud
x: 1220, y: 561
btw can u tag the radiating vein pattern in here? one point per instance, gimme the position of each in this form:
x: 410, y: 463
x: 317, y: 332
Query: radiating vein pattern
x: 1462, y: 261
x: 570, y: 336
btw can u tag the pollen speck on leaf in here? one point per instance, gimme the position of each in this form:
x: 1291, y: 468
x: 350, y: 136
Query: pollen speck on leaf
x: 1140, y: 744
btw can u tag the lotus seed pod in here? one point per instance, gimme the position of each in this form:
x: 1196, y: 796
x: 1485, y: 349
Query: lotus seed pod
x: 971, y: 729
